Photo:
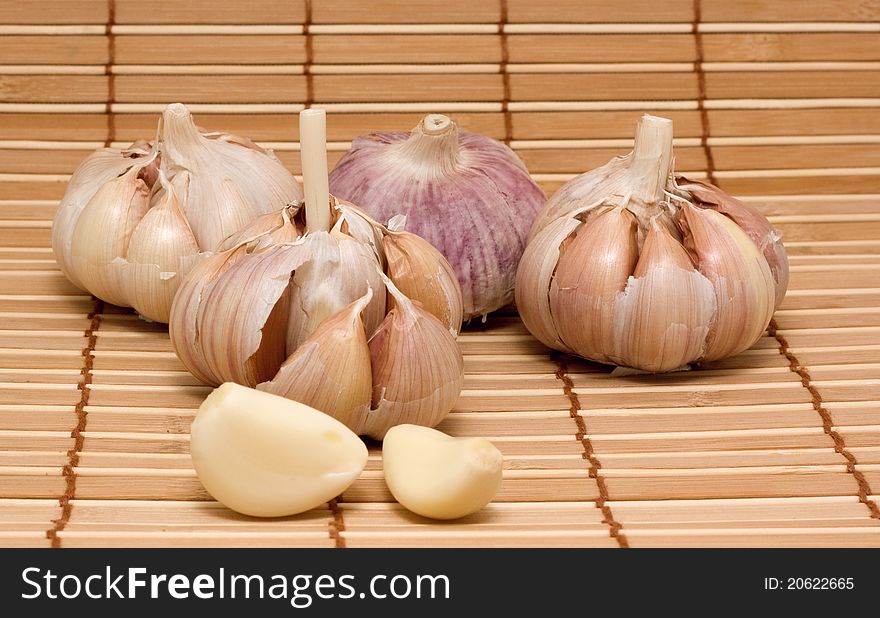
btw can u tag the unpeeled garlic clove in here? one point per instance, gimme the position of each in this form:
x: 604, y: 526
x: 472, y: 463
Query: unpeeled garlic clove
x: 535, y: 271
x: 753, y: 223
x: 242, y: 319
x: 438, y: 476
x: 582, y: 298
x: 336, y: 274
x: 158, y: 257
x: 100, y: 239
x: 663, y: 335
x: 423, y: 274
x: 744, y: 287
x: 98, y: 168
x: 417, y: 366
x: 267, y: 456
x: 183, y: 325
x: 330, y: 371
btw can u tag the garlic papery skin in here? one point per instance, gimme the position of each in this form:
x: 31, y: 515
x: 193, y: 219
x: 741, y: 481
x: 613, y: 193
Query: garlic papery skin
x: 438, y: 476
x: 468, y: 195
x: 134, y: 221
x: 654, y: 274
x: 302, y: 318
x: 267, y: 456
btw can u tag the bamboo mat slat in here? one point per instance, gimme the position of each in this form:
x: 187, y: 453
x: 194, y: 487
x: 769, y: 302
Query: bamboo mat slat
x: 774, y: 101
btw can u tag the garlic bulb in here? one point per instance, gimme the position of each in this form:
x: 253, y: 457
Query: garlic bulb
x: 629, y: 266
x: 134, y: 221
x: 468, y: 195
x: 299, y: 306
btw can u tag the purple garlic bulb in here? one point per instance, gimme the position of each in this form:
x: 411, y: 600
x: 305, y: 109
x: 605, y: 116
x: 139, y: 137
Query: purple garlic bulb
x: 468, y: 195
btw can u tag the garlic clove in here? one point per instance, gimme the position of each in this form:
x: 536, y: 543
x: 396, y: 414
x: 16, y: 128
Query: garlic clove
x: 100, y: 239
x: 223, y: 185
x: 158, y: 253
x: 438, y: 476
x: 330, y: 371
x: 358, y: 263
x: 243, y: 317
x: 99, y: 168
x: 338, y: 272
x: 753, y: 223
x: 423, y: 274
x: 266, y: 456
x: 536, y: 269
x: 744, y: 288
x: 663, y: 316
x: 595, y: 263
x: 183, y: 323
x: 417, y: 367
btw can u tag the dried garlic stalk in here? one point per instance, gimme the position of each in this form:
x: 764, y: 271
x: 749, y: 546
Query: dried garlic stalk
x: 629, y: 266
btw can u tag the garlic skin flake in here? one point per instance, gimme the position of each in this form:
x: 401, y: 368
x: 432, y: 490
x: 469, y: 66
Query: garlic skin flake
x: 308, y: 316
x: 468, y: 195
x: 133, y: 222
x: 438, y: 476
x: 267, y: 456
x: 626, y: 266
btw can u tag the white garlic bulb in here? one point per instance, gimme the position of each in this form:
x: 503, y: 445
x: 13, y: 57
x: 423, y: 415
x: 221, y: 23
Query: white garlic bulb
x: 468, y: 195
x: 134, y: 221
x: 628, y: 266
x: 307, y: 316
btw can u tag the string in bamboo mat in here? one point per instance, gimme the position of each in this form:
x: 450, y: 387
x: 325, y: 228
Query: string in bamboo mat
x: 780, y: 445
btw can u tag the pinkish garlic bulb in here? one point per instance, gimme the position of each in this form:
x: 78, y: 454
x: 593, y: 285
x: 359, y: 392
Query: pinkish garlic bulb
x: 468, y: 195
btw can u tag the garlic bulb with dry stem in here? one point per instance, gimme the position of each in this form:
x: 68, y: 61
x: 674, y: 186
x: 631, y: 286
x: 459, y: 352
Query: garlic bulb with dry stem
x: 134, y: 221
x: 628, y: 266
x: 468, y: 195
x: 300, y: 305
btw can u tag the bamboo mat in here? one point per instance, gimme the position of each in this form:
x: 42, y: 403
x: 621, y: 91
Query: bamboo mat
x: 776, y: 102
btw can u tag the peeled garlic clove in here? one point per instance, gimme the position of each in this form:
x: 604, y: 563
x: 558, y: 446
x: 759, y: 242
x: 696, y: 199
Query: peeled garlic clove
x: 183, y: 325
x: 753, y: 223
x: 468, y: 195
x: 663, y: 317
x: 595, y: 263
x: 266, y: 456
x: 423, y: 274
x: 438, y: 476
x: 158, y: 253
x: 417, y: 366
x: 243, y: 317
x: 330, y: 371
x: 101, y: 236
x: 223, y: 185
x: 744, y: 287
x: 533, y: 278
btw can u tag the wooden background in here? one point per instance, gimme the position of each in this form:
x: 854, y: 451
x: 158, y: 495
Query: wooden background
x: 776, y: 102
